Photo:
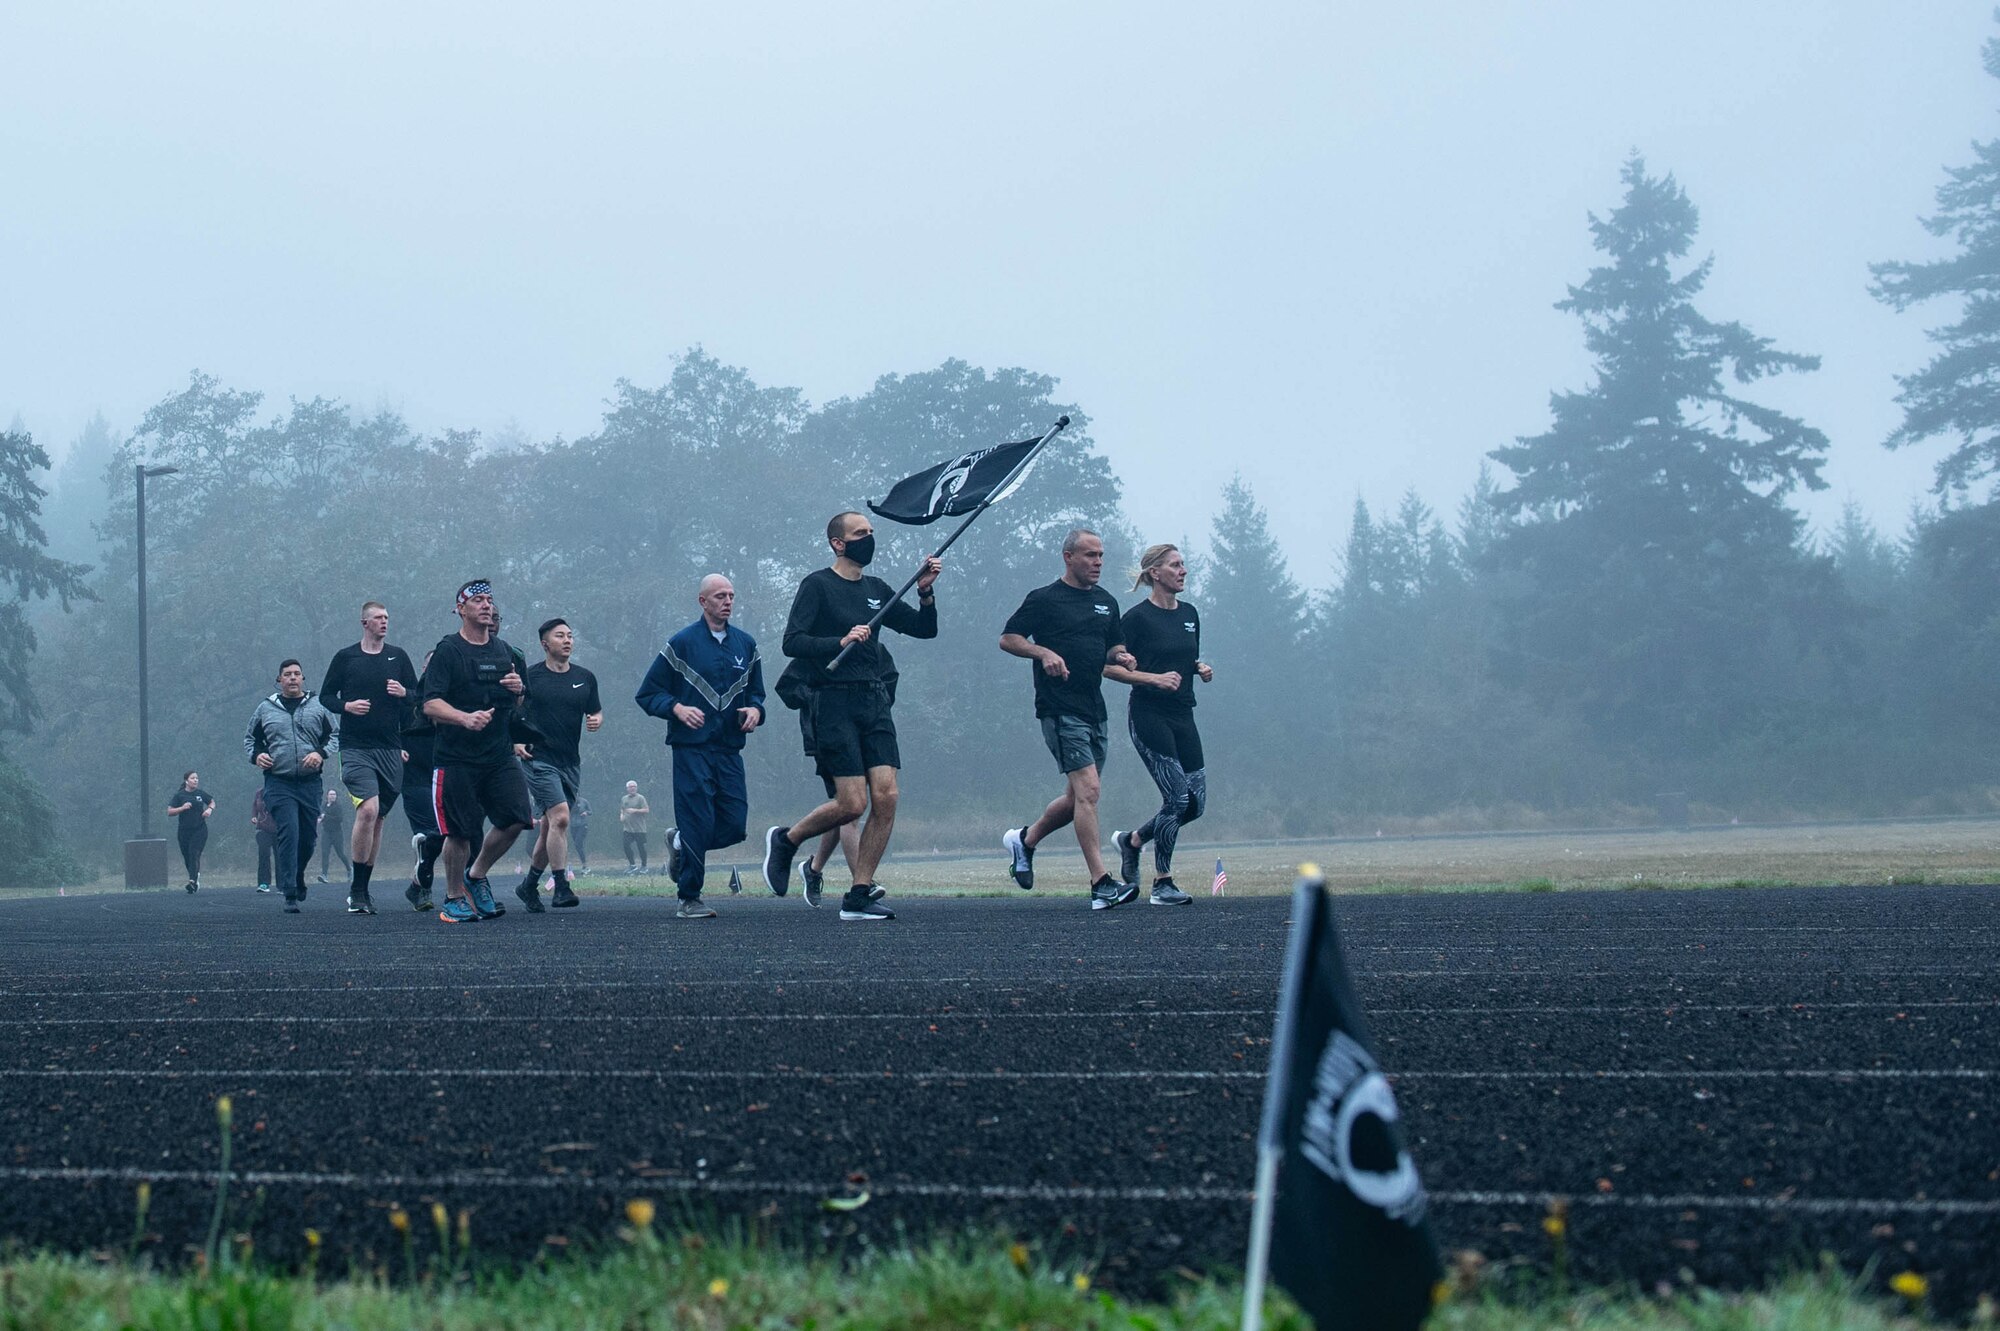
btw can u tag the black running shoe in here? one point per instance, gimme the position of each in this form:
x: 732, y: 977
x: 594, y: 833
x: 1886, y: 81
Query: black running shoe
x: 1108, y: 892
x: 190, y: 887
x: 1128, y: 857
x: 418, y: 896
x: 815, y: 883
x: 291, y: 905
x: 778, y: 853
x: 530, y: 896
x: 694, y: 908
x: 1016, y: 842
x: 1166, y: 894
x: 564, y: 898
x: 359, y: 904
x: 859, y: 909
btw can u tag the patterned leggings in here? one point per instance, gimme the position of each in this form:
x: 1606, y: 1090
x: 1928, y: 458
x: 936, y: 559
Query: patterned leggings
x: 1170, y: 747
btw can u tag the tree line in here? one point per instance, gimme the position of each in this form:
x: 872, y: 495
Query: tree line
x: 1624, y: 616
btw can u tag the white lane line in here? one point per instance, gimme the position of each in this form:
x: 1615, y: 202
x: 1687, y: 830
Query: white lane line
x: 1716, y: 1074
x: 971, y: 1191
x: 623, y: 1019
x: 600, y: 1074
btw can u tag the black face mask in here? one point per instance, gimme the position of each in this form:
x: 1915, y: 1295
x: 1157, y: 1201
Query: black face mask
x: 861, y: 549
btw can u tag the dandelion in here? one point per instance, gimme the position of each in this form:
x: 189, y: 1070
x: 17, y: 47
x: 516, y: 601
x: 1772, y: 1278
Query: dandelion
x: 399, y: 1220
x: 718, y: 1288
x: 225, y: 1112
x: 1017, y: 1253
x: 1554, y: 1225
x: 640, y: 1212
x: 1910, y: 1285
x: 312, y: 1252
x: 139, y: 1220
x: 225, y: 1116
x: 1080, y: 1283
x: 312, y: 1238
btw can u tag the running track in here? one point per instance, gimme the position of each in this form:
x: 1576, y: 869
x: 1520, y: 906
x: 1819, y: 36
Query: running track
x: 1724, y: 1081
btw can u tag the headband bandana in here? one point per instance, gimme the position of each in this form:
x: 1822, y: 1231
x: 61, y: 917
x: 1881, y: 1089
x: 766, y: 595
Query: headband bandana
x: 473, y: 589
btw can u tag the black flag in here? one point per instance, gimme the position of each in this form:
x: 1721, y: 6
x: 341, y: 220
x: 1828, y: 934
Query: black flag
x: 1351, y: 1240
x: 955, y: 487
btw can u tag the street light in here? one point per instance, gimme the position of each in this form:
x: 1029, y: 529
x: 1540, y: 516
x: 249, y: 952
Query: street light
x: 141, y: 853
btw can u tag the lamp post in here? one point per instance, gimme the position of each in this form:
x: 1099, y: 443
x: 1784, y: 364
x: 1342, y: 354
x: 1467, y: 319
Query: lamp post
x: 140, y: 473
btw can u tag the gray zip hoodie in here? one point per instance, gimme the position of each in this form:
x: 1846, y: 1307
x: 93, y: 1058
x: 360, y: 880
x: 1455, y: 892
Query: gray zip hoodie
x: 289, y: 734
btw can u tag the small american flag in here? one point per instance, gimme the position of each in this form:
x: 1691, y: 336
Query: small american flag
x: 1221, y: 880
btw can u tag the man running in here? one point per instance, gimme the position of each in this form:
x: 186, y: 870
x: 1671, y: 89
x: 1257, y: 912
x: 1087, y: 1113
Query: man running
x: 419, y: 769
x: 191, y: 805
x: 632, y: 811
x: 707, y: 684
x: 289, y: 739
x: 579, y: 830
x: 1163, y: 633
x: 470, y: 689
x: 1071, y: 631
x: 330, y: 835
x: 561, y: 704
x: 368, y: 683
x: 854, y: 735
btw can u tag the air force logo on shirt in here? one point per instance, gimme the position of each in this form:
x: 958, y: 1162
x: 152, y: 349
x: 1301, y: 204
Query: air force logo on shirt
x: 1101, y: 609
x: 873, y: 604
x: 1188, y: 624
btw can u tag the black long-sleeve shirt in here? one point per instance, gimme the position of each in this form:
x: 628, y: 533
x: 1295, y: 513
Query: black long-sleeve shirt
x: 828, y: 606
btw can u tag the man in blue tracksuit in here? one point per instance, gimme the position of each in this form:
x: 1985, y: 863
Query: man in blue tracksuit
x: 290, y: 738
x: 708, y: 685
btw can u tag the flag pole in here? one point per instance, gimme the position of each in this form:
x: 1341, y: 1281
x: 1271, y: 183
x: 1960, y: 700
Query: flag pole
x: 1062, y: 422
x: 1307, y: 900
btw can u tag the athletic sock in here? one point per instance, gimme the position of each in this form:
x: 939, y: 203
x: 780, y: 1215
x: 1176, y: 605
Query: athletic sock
x: 534, y: 877
x: 558, y: 878
x: 362, y: 873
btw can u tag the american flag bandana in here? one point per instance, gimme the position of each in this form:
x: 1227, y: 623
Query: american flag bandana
x: 1221, y: 880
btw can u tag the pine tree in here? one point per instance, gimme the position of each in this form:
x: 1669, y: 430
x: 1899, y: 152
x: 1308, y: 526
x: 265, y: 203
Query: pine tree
x: 27, y: 567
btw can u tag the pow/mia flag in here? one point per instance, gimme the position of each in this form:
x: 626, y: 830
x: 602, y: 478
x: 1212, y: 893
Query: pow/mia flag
x: 956, y: 487
x: 1351, y: 1240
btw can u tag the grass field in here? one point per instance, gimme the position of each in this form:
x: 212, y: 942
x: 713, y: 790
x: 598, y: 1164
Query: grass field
x: 1886, y: 853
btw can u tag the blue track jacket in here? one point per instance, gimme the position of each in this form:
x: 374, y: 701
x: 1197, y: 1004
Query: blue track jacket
x: 695, y: 670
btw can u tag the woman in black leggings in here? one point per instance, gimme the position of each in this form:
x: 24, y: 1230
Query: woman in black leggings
x: 191, y: 805
x: 1164, y: 633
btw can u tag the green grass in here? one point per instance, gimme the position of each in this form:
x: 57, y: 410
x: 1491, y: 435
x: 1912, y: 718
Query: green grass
x: 667, y: 1280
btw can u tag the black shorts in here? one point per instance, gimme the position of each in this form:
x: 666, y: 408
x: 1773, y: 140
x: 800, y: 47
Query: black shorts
x: 853, y: 731
x: 496, y: 792
x: 418, y: 805
x: 372, y: 774
x: 1169, y: 732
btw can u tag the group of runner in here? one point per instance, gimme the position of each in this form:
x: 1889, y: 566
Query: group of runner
x: 475, y: 743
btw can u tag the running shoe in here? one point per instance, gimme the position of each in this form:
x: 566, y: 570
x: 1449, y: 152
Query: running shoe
x: 876, y: 893
x: 564, y: 898
x: 695, y: 909
x: 778, y: 853
x: 457, y: 910
x: 190, y: 887
x: 814, y: 880
x: 674, y: 853
x: 1107, y: 892
x: 861, y: 909
x: 1016, y: 842
x: 418, y: 896
x: 319, y: 878
x: 1166, y: 894
x: 530, y: 896
x: 481, y: 893
x: 291, y: 905
x: 359, y: 904
x: 263, y: 887
x: 1128, y: 857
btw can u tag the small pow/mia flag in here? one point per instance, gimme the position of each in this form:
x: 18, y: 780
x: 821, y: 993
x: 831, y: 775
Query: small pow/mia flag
x: 1351, y: 1240
x: 735, y: 882
x: 956, y: 487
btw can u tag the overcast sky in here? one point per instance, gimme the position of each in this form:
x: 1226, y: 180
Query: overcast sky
x: 1317, y: 244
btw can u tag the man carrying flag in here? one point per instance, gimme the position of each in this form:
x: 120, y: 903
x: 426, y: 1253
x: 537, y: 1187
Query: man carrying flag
x: 1335, y: 1183
x: 833, y: 620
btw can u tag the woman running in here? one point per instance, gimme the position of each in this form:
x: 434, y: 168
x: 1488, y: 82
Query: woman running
x: 1164, y: 633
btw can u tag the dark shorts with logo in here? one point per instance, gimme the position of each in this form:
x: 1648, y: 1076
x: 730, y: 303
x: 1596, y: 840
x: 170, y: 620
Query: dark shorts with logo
x: 494, y: 792
x: 373, y: 774
x: 852, y: 730
x: 1076, y: 742
x: 550, y: 784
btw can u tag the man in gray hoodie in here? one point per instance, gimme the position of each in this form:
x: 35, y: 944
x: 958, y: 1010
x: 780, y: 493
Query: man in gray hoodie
x: 290, y: 738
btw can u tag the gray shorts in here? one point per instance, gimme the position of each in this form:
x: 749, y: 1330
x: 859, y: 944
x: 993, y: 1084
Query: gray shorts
x: 1076, y: 743
x: 550, y: 784
x: 372, y: 774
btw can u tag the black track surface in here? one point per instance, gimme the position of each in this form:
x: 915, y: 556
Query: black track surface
x: 1728, y: 1082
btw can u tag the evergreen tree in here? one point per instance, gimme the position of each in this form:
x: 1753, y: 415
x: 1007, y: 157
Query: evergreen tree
x: 1659, y: 566
x: 31, y: 572
x: 1953, y: 395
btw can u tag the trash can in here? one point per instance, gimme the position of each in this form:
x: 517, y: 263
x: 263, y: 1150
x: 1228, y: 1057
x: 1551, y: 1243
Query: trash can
x: 146, y: 862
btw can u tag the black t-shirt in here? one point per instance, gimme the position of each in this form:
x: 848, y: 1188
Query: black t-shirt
x: 197, y: 801
x: 1081, y: 626
x: 557, y: 704
x: 1164, y: 640
x: 354, y: 676
x: 828, y: 605
x: 468, y: 677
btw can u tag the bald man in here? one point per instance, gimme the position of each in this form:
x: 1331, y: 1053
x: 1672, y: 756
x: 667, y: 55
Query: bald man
x: 707, y: 684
